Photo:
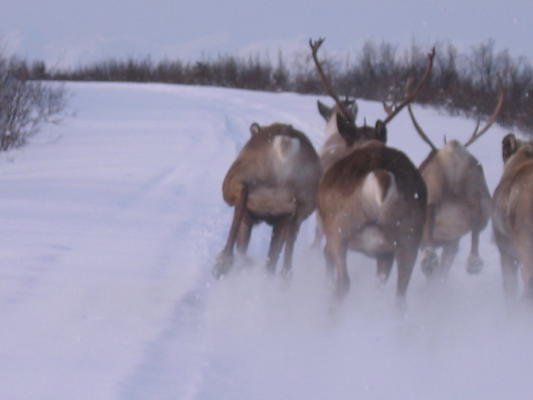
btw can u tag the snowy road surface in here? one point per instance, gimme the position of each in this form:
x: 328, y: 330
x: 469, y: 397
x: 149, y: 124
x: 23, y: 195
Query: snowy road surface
x: 110, y: 224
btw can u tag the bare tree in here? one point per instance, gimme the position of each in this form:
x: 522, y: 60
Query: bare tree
x: 25, y: 104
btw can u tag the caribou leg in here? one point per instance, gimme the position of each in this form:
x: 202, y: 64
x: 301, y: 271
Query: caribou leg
x: 291, y: 234
x: 335, y: 253
x: 430, y: 260
x: 449, y: 251
x: 524, y: 245
x: 319, y: 234
x: 509, y: 264
x: 474, y: 263
x: 384, y: 266
x: 405, y: 255
x: 243, y: 237
x: 509, y: 274
x: 225, y: 258
x: 279, y: 234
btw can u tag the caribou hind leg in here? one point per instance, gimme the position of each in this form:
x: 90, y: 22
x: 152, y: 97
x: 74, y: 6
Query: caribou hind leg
x: 278, y: 238
x: 430, y: 260
x: 509, y: 274
x: 405, y: 255
x: 243, y: 237
x: 225, y: 258
x: 449, y: 252
x: 384, y: 267
x: 319, y: 234
x: 509, y: 264
x: 291, y: 234
x: 524, y: 244
x: 474, y: 263
x: 335, y: 252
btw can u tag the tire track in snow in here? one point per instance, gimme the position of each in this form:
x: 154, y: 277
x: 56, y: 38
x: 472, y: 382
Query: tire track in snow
x: 172, y: 363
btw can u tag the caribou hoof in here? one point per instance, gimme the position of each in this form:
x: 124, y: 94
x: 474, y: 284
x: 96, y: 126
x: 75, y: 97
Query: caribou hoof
x: 223, y: 265
x: 342, y: 287
x: 287, y: 273
x: 429, y: 262
x: 474, y: 264
x: 244, y: 260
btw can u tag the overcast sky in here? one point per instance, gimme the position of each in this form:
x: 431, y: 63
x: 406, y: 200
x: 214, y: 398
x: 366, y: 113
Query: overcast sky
x: 71, y: 32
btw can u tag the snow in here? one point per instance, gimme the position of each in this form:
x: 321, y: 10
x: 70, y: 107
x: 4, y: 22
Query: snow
x: 110, y: 224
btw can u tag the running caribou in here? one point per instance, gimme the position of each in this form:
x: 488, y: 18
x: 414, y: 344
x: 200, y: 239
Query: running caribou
x: 459, y: 200
x: 334, y: 148
x: 373, y: 200
x: 512, y: 218
x: 274, y: 179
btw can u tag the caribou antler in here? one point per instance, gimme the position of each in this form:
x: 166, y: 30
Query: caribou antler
x: 477, y: 133
x: 409, y: 97
x: 315, y: 45
x: 419, y: 129
x: 417, y: 126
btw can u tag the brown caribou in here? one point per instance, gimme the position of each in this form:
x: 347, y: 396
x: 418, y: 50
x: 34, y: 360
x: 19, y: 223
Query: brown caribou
x: 373, y: 200
x: 512, y: 217
x: 459, y: 200
x: 334, y: 148
x: 274, y: 179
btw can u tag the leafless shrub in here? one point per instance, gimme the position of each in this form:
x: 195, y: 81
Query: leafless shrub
x: 26, y: 104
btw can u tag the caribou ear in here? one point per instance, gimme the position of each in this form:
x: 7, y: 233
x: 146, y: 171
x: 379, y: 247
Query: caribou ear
x: 346, y: 129
x: 323, y: 109
x: 381, y: 131
x: 255, y: 128
x: 509, y: 146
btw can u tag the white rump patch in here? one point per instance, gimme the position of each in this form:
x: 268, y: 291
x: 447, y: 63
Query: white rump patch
x: 374, y: 192
x: 455, y: 159
x: 375, y: 197
x: 285, y: 147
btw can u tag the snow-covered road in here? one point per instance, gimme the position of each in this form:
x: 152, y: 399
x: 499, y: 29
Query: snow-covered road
x: 111, y: 221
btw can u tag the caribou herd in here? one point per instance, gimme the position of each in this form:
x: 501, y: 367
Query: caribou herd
x: 371, y: 198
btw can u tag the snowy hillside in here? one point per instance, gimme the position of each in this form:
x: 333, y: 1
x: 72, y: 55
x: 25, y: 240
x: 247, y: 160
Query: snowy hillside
x: 110, y: 224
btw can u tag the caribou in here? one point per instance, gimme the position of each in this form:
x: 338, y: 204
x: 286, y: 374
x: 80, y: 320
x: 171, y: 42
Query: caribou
x: 334, y: 148
x: 512, y: 217
x: 459, y: 200
x: 373, y: 200
x: 273, y: 179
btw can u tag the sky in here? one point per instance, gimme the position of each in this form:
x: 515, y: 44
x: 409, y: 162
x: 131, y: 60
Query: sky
x: 71, y: 33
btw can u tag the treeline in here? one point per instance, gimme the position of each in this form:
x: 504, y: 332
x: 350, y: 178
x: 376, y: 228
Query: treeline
x: 461, y: 83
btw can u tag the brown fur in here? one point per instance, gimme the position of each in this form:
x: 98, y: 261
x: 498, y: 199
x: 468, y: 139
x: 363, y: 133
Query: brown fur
x: 335, y: 147
x: 277, y: 174
x: 512, y: 218
x: 458, y: 202
x: 351, y: 216
x: 359, y: 206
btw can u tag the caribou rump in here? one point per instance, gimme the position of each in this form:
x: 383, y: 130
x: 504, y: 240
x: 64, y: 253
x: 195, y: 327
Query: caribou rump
x: 273, y: 179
